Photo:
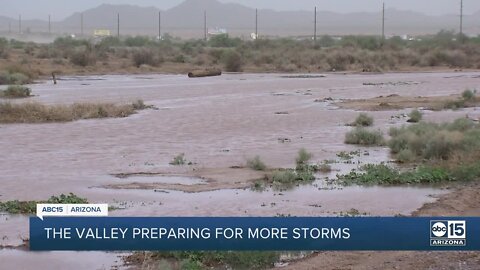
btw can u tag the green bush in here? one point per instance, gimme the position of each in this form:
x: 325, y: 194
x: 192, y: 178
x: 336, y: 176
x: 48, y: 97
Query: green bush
x: 30, y: 207
x: 233, y: 61
x: 363, y: 120
x: 83, y: 58
x: 16, y: 78
x: 16, y: 91
x: 468, y: 95
x: 415, y: 116
x: 145, y: 57
x: 256, y: 164
x: 363, y: 136
x: 430, y: 141
x: 178, y: 160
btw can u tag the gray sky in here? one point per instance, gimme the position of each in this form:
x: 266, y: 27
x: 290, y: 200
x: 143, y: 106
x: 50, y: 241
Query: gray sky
x: 60, y: 9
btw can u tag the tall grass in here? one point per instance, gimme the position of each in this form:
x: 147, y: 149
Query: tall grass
x: 40, y: 113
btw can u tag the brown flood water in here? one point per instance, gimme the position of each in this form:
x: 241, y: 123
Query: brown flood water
x: 218, y: 123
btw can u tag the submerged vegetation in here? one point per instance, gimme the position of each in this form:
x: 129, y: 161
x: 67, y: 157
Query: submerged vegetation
x: 30, y: 207
x: 445, y: 152
x: 199, y: 260
x: 40, y: 113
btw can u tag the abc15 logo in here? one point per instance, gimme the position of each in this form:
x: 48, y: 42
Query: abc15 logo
x: 449, y: 229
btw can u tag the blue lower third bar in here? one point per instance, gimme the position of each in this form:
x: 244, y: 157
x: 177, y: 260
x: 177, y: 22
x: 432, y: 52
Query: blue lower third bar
x: 252, y: 233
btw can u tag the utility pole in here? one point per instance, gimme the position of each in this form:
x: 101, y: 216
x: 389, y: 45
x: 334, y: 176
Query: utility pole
x: 81, y: 24
x: 315, y: 26
x: 461, y: 21
x: 118, y: 25
x: 256, y: 24
x: 205, y: 24
x: 49, y: 24
x: 9, y: 27
x: 19, y: 24
x: 383, y: 23
x: 159, y: 25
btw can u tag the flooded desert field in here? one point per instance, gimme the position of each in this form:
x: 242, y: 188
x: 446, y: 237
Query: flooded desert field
x: 217, y: 123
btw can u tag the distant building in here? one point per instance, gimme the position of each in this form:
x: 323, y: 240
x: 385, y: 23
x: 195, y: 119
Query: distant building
x: 217, y: 31
x: 101, y: 33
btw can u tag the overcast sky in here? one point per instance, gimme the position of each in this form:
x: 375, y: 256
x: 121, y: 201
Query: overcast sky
x: 60, y: 9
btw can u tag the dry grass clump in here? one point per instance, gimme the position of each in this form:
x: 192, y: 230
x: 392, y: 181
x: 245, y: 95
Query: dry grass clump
x: 362, y: 120
x: 363, y: 136
x: 40, y: 113
x: 16, y: 91
x: 435, y: 142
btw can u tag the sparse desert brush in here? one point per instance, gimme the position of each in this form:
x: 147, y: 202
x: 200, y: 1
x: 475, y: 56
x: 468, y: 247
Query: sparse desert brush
x: 233, y: 61
x: 16, y: 91
x: 40, y: 113
x: 145, y: 56
x: 469, y: 95
x: 302, y: 159
x: 429, y: 141
x: 363, y: 120
x: 30, y: 207
x: 178, y: 160
x: 15, y: 78
x: 83, y: 57
x: 256, y: 164
x: 415, y: 116
x: 363, y: 136
x: 324, y: 168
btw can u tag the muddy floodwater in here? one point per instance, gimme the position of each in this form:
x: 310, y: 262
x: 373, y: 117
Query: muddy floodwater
x: 217, y: 123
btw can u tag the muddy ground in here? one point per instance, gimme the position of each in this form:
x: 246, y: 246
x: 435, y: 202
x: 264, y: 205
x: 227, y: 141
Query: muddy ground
x: 218, y: 123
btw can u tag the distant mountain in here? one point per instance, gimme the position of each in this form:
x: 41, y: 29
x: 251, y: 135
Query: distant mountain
x: 186, y: 20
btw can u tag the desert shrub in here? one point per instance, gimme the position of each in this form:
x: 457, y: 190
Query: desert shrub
x: 429, y: 141
x: 83, y: 57
x: 302, y: 159
x: 232, y: 61
x: 224, y: 41
x: 284, y: 176
x: 145, y: 57
x: 16, y: 91
x: 363, y: 120
x: 13, y: 78
x: 415, y: 116
x: 468, y: 95
x: 178, y: 160
x: 256, y: 164
x: 40, y: 113
x: 137, y: 41
x: 362, y: 136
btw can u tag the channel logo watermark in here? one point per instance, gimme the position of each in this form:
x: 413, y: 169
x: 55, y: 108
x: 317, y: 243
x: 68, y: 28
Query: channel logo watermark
x: 448, y: 233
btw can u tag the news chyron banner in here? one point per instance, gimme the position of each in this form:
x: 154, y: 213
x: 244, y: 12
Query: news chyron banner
x: 87, y: 227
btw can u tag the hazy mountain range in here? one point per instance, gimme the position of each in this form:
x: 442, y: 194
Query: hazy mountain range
x: 186, y: 20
